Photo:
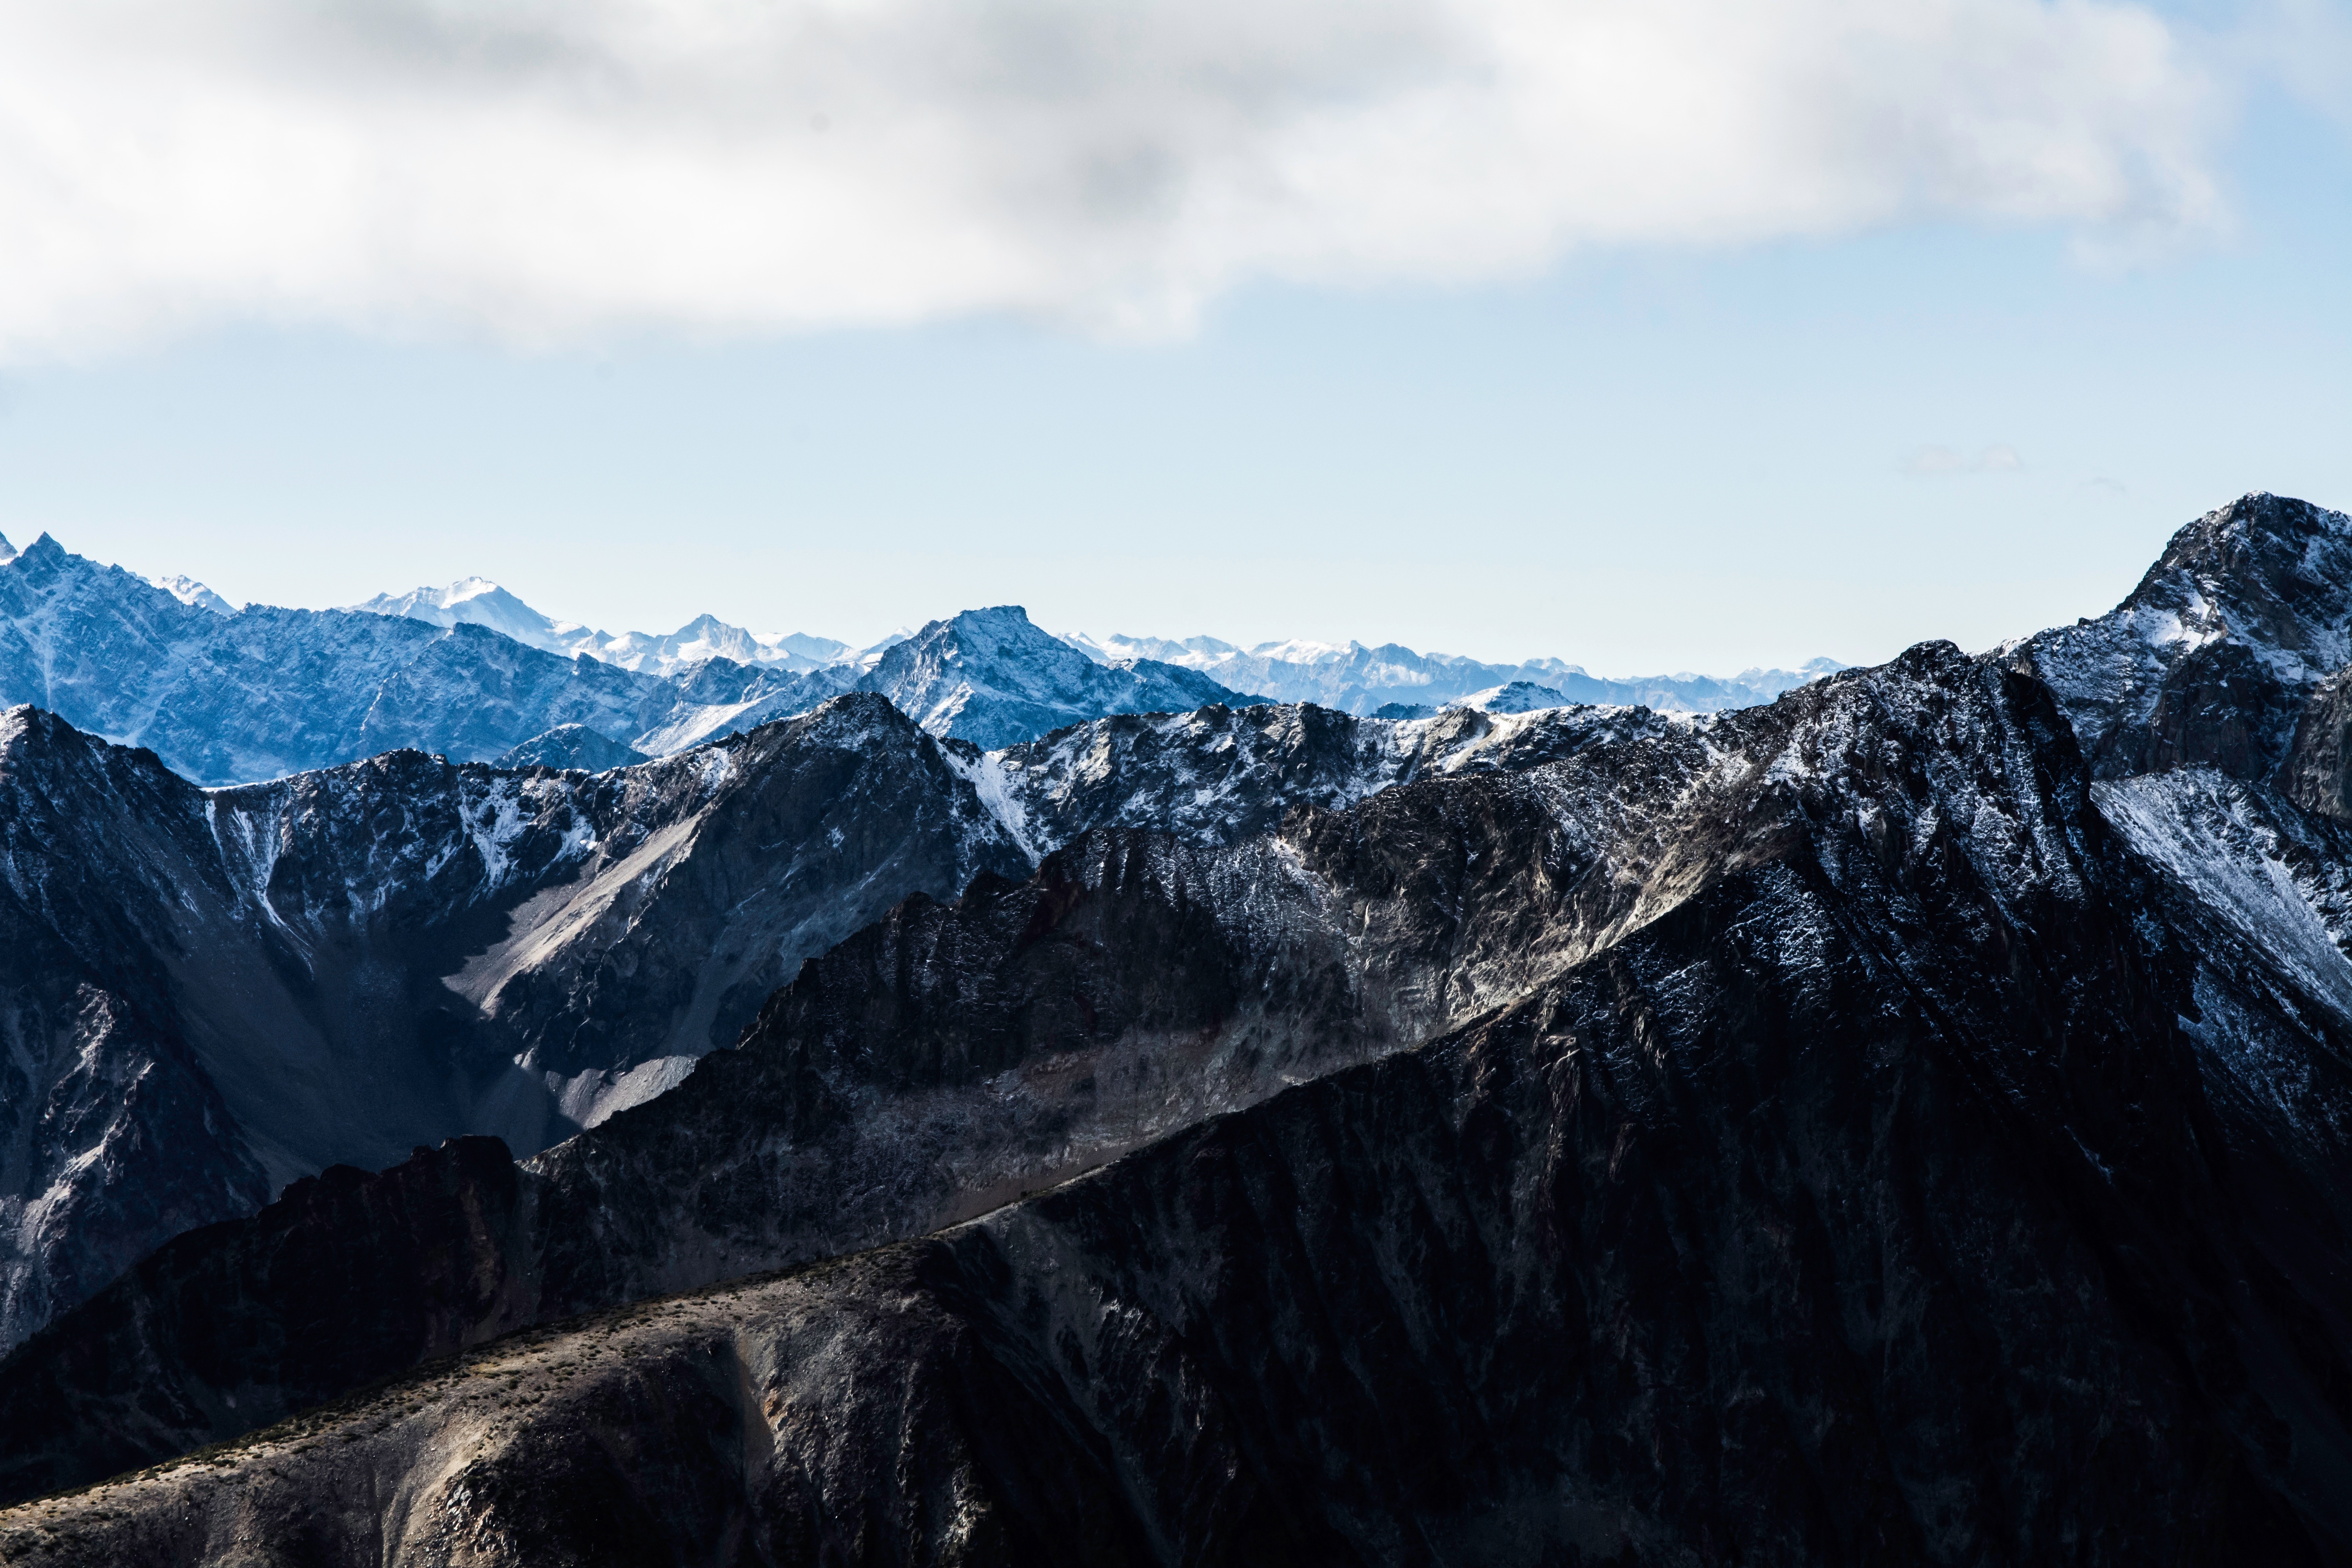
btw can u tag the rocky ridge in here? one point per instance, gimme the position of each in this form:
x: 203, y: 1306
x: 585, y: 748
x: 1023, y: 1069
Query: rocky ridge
x: 1879, y: 1127
x: 384, y: 954
x: 344, y: 965
x: 1081, y: 1108
x: 266, y: 692
x: 1833, y: 1179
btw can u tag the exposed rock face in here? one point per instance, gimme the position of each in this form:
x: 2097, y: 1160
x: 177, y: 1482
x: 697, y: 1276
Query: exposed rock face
x: 1806, y: 1161
x: 112, y: 1135
x: 280, y: 1311
x: 2317, y: 773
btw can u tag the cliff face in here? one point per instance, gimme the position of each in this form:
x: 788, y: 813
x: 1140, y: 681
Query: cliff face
x: 1849, y: 1183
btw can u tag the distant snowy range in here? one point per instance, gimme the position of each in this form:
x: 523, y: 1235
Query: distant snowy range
x: 227, y: 694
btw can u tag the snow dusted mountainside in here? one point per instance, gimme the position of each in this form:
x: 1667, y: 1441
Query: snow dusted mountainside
x: 263, y: 692
x: 1515, y: 697
x: 572, y: 746
x: 991, y: 677
x: 478, y: 602
x: 1360, y: 679
x: 269, y: 692
x: 2211, y: 703
x: 2214, y: 658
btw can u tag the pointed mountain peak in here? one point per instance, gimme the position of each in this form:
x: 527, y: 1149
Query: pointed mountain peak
x: 2257, y: 536
x: 7, y: 551
x: 190, y: 591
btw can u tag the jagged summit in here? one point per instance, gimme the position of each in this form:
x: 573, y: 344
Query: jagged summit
x: 7, y: 551
x: 477, y: 601
x: 993, y: 677
x: 188, y: 591
x: 2210, y: 659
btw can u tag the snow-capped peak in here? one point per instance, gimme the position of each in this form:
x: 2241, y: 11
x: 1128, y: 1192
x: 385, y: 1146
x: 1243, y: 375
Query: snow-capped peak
x: 1191, y: 653
x: 477, y: 601
x: 7, y: 551
x: 188, y: 591
x: 1513, y: 696
x: 466, y: 588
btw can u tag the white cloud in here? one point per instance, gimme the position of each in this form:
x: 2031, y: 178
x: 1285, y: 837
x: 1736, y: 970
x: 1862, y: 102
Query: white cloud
x: 547, y: 170
x: 1936, y: 462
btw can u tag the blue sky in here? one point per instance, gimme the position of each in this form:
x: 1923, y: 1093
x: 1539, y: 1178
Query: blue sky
x: 1702, y: 444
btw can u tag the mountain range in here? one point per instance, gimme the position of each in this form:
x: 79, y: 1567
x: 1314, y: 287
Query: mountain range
x: 228, y: 695
x: 1360, y: 679
x: 1901, y: 1121
x: 477, y: 601
x: 264, y: 692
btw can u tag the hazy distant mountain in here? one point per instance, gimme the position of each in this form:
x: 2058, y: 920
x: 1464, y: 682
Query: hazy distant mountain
x: 262, y: 692
x: 477, y: 601
x: 1356, y: 679
x: 1350, y: 677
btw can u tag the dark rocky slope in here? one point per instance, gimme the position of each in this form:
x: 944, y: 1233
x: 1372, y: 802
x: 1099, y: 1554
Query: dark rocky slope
x: 1136, y: 985
x: 1842, y: 1186
x: 338, y: 966
x: 206, y: 987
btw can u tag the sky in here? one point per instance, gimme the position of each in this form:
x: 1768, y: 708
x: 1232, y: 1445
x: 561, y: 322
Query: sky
x: 1687, y: 335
